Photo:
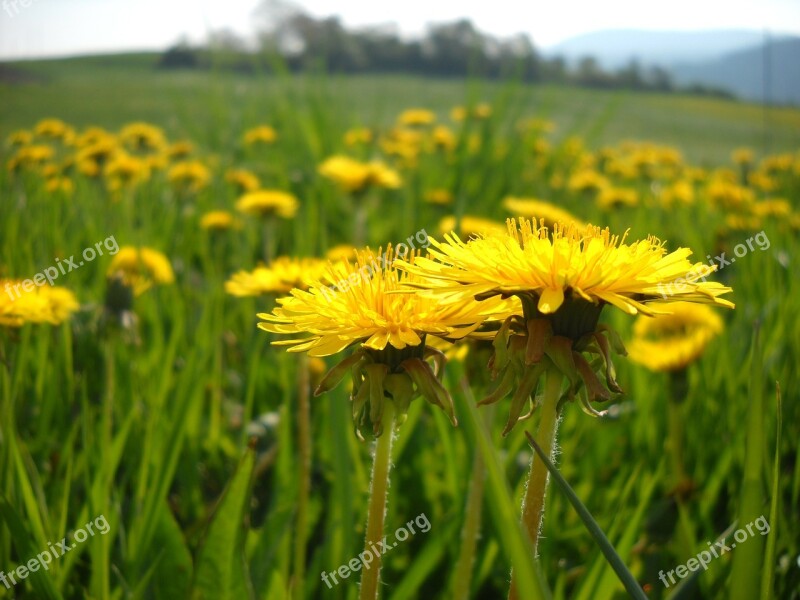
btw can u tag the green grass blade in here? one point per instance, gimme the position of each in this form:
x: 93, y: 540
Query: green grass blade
x: 768, y: 573
x: 625, y: 576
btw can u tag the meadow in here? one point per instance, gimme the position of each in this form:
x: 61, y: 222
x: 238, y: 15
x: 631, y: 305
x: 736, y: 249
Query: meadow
x: 153, y: 400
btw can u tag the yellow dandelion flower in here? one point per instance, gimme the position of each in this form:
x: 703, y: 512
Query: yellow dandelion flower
x: 281, y: 276
x: 124, y: 170
x: 63, y: 185
x: 55, y: 129
x: 742, y: 156
x: 341, y: 252
x: 539, y: 209
x: 263, y: 134
x: 588, y: 265
x: 20, y: 137
x: 141, y: 268
x: 25, y: 302
x: 243, y: 179
x: 587, y: 180
x: 191, y: 176
x: 439, y: 196
x: 612, y: 197
x: 358, y: 136
x: 180, y: 149
x: 140, y: 137
x: 219, y: 220
x: 470, y: 225
x: 416, y: 117
x: 443, y: 138
x: 772, y: 207
x: 265, y: 203
x: 356, y: 176
x: 672, y: 342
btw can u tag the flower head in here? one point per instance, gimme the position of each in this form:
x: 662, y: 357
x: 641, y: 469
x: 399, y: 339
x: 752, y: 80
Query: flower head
x: 672, y: 342
x: 36, y: 304
x: 140, y: 268
x: 371, y: 308
x: 265, y: 203
x: 563, y: 279
x: 219, y: 220
x: 263, y: 134
x: 281, y: 276
x: 189, y: 175
x: 356, y: 176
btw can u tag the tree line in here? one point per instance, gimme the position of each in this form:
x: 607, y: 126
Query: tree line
x: 294, y: 40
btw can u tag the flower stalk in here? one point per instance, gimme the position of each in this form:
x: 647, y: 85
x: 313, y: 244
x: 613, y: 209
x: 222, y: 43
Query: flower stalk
x: 370, y: 575
x: 533, y: 503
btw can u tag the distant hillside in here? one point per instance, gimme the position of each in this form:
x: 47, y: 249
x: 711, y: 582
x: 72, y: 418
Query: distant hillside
x: 742, y: 72
x: 616, y: 48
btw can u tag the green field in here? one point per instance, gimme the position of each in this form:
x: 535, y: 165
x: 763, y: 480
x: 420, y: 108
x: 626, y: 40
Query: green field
x: 173, y: 417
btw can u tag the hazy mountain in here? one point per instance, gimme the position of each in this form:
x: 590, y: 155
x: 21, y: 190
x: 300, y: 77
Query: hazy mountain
x: 616, y: 48
x: 742, y: 72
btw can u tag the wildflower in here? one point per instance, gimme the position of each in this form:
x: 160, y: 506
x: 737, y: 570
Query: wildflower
x: 267, y: 203
x: 25, y: 302
x: 358, y: 136
x: 244, y: 180
x: 281, y: 276
x: 355, y: 176
x: 439, y: 196
x: 611, y: 197
x: 142, y: 137
x: 219, y: 220
x: 469, y: 225
x: 140, y: 268
x: 386, y: 323
x: 673, y: 341
x: 263, y: 134
x: 530, y: 207
x: 191, y: 176
x: 416, y: 117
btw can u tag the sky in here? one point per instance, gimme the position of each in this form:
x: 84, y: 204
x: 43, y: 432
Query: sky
x: 35, y: 28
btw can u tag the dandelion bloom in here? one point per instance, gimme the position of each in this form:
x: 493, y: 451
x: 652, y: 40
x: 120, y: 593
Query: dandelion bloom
x: 530, y: 207
x: 356, y: 176
x: 219, y: 220
x: 587, y: 264
x: 143, y: 137
x: 469, y: 225
x: 414, y: 117
x: 281, y: 276
x: 189, y: 175
x: 141, y: 268
x: 372, y: 310
x: 672, y: 342
x: 265, y: 203
x: 243, y: 179
x: 563, y: 278
x: 37, y: 304
x: 263, y: 134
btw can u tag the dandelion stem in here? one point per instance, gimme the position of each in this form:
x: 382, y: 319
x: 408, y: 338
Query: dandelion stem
x: 533, y: 505
x: 304, y: 474
x: 377, y: 504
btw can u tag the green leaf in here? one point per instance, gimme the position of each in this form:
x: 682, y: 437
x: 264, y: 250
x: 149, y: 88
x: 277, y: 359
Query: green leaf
x: 221, y: 573
x: 173, y: 573
x: 23, y: 539
x: 768, y: 573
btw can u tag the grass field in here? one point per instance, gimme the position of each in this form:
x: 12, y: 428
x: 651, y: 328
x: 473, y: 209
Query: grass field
x: 169, y: 414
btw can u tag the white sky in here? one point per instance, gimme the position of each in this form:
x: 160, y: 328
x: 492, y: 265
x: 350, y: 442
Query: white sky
x: 31, y: 28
